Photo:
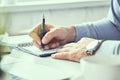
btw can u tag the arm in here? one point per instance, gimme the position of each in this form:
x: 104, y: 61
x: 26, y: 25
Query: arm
x: 108, y: 28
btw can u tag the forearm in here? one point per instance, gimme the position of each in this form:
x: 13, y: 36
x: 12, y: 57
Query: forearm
x: 109, y: 47
x: 103, y: 29
x: 71, y: 33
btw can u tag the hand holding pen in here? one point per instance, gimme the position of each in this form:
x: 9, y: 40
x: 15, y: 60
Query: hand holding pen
x: 43, y: 32
x: 52, y: 37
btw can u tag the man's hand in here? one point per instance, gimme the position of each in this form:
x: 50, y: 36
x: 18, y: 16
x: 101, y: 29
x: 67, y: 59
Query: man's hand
x: 54, y: 36
x: 73, y: 51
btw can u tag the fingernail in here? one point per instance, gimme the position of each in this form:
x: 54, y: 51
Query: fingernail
x: 44, y: 40
x: 58, y: 50
x: 53, y: 56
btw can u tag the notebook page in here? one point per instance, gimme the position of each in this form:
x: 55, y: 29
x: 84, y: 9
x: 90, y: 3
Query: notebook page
x: 24, y: 43
x: 23, y: 64
x: 17, y: 39
x: 32, y: 71
x: 58, y: 65
x: 33, y: 49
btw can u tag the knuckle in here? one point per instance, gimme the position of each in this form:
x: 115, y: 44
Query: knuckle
x: 30, y: 33
x: 62, y: 56
x: 48, y: 27
x: 73, y: 56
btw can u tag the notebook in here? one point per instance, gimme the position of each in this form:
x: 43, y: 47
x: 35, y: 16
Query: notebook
x: 24, y: 43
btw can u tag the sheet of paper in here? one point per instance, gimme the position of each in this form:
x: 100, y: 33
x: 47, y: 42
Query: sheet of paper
x: 37, y: 51
x: 33, y: 67
x: 25, y: 42
x: 36, y: 68
x: 32, y: 71
x: 17, y: 39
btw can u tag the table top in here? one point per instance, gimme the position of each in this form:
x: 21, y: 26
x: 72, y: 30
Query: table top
x: 20, y: 64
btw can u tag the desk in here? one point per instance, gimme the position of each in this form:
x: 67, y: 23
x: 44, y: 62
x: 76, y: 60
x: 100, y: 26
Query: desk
x: 26, y: 66
x: 35, y: 68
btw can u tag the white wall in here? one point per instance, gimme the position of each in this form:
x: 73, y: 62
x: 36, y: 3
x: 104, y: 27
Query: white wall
x: 24, y: 20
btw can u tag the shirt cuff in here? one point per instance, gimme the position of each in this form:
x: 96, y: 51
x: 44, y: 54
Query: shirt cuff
x: 109, y: 47
x: 81, y: 31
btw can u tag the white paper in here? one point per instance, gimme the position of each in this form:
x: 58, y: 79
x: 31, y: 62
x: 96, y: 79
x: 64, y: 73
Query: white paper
x: 31, y: 71
x: 24, y: 41
x: 29, y: 67
x: 37, y: 68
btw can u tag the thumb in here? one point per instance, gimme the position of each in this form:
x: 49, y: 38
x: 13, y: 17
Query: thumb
x: 48, y: 37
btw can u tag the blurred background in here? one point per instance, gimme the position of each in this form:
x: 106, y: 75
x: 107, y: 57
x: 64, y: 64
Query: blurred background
x: 19, y: 16
x: 25, y: 14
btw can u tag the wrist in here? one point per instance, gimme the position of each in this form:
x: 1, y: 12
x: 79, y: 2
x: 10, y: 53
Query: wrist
x: 92, y: 47
x: 71, y: 34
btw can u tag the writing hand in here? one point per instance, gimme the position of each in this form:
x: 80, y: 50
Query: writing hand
x: 54, y: 36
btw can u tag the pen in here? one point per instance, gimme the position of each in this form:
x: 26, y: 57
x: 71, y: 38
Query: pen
x: 31, y: 53
x: 42, y: 30
x: 47, y: 54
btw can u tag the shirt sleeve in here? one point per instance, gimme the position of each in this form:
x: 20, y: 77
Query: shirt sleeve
x: 108, y: 28
x: 109, y: 47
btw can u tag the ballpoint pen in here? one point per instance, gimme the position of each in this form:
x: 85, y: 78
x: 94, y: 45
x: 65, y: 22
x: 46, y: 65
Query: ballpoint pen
x: 41, y: 36
x: 42, y: 30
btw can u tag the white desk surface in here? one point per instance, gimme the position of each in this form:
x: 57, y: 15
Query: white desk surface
x: 35, y: 68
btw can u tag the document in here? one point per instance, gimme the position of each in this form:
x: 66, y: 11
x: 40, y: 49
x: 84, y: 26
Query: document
x: 32, y: 71
x: 24, y: 43
x: 31, y: 67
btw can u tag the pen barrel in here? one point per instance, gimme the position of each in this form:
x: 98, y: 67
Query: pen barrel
x: 43, y: 24
x: 42, y: 35
x: 43, y: 31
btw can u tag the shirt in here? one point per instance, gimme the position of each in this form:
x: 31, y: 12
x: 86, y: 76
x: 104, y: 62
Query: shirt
x: 108, y: 29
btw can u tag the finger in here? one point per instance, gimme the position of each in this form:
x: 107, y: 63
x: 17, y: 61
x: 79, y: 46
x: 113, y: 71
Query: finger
x: 46, y: 47
x: 35, y: 37
x: 63, y: 50
x: 62, y: 42
x: 63, y: 55
x: 76, y: 55
x: 54, y: 45
x: 49, y: 36
x: 36, y: 44
x: 72, y: 56
x: 51, y: 45
x: 69, y: 45
x: 57, y: 44
x: 35, y: 30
